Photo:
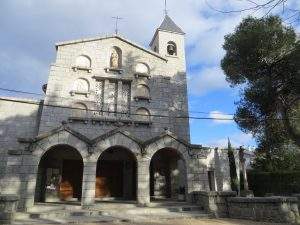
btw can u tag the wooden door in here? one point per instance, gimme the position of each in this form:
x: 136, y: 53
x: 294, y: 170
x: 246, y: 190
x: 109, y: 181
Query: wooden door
x: 71, y: 181
x: 109, y: 179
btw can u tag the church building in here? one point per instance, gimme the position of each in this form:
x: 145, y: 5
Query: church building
x: 113, y: 125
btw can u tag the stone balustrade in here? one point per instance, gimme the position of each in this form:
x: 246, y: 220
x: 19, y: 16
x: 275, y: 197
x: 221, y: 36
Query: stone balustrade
x: 265, y: 209
x: 7, y: 208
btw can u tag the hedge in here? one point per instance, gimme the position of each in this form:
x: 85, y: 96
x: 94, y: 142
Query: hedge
x: 277, y: 183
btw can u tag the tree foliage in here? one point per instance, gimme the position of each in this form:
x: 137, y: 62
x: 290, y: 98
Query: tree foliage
x: 262, y: 58
x: 234, y: 182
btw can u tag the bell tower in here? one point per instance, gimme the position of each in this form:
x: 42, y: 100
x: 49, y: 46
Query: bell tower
x: 168, y: 41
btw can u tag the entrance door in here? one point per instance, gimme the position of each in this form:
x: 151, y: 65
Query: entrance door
x: 109, y: 180
x: 70, y: 186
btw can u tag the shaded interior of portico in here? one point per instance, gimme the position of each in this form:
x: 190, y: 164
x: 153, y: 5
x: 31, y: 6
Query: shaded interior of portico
x: 59, y: 177
x: 116, y: 175
x: 167, y: 175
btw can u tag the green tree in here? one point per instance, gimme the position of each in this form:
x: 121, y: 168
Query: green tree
x: 232, y: 166
x: 262, y: 58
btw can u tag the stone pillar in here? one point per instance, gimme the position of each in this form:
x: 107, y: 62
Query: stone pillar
x: 88, y: 183
x: 143, y: 182
x: 7, y: 208
x: 28, y: 174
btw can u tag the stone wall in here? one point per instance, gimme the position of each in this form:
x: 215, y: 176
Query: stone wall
x: 17, y: 119
x: 269, y: 209
x: 214, y: 202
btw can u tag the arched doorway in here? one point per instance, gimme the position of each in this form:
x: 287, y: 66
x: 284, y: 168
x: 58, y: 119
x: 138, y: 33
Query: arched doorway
x: 59, y: 175
x: 167, y: 175
x: 116, y: 175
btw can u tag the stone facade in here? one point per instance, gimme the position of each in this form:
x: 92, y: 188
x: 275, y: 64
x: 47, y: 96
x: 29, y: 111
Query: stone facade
x: 105, y: 94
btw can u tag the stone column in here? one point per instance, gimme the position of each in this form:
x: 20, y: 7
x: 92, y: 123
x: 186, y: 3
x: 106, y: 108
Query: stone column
x: 143, y: 182
x: 88, y: 183
x: 243, y: 168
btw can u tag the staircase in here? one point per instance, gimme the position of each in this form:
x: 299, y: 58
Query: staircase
x: 46, y: 213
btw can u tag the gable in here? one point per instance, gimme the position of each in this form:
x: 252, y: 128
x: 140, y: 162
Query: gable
x: 130, y: 43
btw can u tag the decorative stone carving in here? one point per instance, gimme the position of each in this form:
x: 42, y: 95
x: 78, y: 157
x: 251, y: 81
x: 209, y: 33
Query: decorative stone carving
x: 81, y: 86
x: 125, y: 98
x: 99, y: 99
x: 142, y: 92
x: 142, y: 114
x: 82, y: 62
x: 142, y: 68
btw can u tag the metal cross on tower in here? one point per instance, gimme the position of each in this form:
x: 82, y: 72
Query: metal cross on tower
x: 117, y: 22
x: 166, y: 10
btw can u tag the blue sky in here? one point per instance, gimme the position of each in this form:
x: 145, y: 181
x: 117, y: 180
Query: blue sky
x: 30, y: 28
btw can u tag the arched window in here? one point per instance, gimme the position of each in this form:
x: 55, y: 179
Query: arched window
x: 142, y: 68
x: 79, y: 110
x: 172, y: 48
x: 143, y: 91
x: 81, y: 86
x: 115, y: 60
x: 83, y: 61
x: 143, y: 114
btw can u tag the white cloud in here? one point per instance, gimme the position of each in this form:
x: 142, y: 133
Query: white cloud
x: 221, y: 118
x: 207, y: 80
x: 237, y: 139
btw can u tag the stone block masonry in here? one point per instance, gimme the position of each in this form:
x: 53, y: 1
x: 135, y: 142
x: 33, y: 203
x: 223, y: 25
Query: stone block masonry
x: 214, y: 202
x: 265, y: 209
x: 7, y: 208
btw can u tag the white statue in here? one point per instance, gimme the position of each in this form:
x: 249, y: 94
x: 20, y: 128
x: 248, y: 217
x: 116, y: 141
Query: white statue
x: 114, y: 60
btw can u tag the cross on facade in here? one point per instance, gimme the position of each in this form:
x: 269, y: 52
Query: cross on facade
x: 117, y: 23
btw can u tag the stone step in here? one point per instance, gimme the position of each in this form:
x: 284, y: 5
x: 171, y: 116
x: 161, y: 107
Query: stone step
x: 47, y: 207
x: 59, y: 214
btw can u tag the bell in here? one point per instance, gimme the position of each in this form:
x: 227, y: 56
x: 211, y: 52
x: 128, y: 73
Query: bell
x: 171, y: 49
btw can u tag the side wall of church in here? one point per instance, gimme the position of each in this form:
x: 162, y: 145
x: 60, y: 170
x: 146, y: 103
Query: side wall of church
x: 17, y: 120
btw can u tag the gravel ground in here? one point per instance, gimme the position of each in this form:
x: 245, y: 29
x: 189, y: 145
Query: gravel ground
x: 194, y: 222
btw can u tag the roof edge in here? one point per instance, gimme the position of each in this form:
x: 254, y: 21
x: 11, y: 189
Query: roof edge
x: 109, y: 37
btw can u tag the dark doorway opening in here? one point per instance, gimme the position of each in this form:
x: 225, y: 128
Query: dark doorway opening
x: 59, y: 177
x: 167, y: 175
x: 116, y: 175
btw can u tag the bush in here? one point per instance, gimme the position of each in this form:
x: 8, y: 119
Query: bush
x: 278, y: 183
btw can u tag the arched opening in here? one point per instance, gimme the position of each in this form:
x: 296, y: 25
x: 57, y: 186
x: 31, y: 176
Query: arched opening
x: 59, y: 175
x: 172, y: 48
x: 167, y: 175
x: 116, y: 175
